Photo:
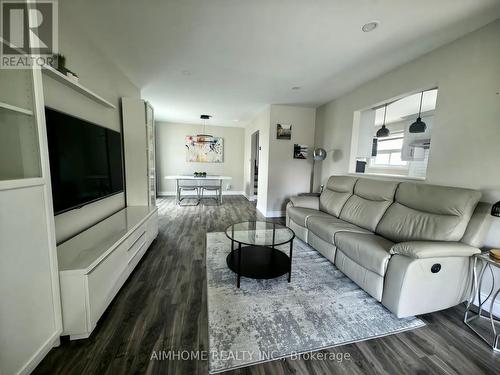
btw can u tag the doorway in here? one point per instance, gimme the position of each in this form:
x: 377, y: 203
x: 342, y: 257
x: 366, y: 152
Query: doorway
x: 254, y: 179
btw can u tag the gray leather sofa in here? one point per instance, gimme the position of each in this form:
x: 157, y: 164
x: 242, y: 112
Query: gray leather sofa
x: 409, y: 245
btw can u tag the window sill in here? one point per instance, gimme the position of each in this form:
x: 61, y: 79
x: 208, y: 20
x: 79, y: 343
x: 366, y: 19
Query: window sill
x: 386, y: 166
x: 398, y: 177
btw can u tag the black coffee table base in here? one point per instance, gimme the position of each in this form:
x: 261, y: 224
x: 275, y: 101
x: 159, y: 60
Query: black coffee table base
x: 259, y: 262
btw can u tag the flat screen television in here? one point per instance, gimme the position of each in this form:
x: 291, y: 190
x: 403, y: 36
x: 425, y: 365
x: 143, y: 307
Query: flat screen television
x: 85, y: 161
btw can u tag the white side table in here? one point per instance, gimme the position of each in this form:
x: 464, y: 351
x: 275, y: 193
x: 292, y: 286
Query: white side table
x: 489, y: 263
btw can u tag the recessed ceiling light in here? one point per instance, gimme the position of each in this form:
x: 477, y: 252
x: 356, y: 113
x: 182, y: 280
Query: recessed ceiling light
x: 236, y: 120
x: 370, y: 26
x: 296, y: 88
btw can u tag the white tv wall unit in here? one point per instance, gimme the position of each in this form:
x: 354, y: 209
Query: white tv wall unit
x: 95, y: 264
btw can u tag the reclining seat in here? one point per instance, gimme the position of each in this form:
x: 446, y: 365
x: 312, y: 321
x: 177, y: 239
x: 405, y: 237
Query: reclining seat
x: 302, y: 208
x: 430, y: 265
x: 362, y: 255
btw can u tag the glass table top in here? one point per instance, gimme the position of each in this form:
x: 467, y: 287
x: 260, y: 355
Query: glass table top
x: 260, y: 233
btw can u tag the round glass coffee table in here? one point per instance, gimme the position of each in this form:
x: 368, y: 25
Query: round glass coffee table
x: 254, y: 253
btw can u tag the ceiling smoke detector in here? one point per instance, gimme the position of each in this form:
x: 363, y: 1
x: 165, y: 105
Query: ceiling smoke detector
x: 370, y: 26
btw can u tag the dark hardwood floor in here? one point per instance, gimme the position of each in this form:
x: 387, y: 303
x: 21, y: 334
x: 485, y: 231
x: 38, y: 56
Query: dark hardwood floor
x: 163, y: 307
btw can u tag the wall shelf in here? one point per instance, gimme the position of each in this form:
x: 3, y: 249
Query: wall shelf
x: 58, y: 76
x: 16, y: 109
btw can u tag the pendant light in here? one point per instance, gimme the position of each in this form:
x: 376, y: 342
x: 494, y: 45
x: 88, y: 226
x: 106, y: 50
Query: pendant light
x: 204, y: 118
x: 418, y: 126
x: 495, y: 209
x: 383, y: 131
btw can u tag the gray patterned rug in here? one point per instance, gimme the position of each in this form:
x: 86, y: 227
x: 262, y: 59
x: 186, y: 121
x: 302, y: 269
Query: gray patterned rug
x: 271, y: 319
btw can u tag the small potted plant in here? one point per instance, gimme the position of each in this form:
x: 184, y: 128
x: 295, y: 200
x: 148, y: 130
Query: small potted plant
x: 59, y: 63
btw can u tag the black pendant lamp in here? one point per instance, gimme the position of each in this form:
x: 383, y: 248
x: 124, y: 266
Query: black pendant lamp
x: 418, y: 126
x: 383, y: 131
x: 495, y: 210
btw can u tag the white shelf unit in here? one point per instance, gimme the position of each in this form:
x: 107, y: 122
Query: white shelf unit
x: 30, y: 303
x: 139, y: 145
x: 95, y: 264
x: 58, y: 76
x: 16, y: 109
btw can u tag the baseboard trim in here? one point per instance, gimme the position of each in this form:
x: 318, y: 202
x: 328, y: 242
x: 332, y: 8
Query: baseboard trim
x: 251, y: 198
x: 224, y: 192
x: 275, y: 214
x: 40, y: 354
x: 487, y: 305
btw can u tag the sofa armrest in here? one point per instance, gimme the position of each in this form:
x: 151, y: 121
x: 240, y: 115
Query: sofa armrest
x: 305, y: 202
x: 433, y: 249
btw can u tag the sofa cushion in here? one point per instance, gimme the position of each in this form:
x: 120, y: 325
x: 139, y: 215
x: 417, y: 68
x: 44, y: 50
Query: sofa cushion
x: 369, y: 202
x: 301, y: 215
x: 371, y: 282
x: 368, y: 250
x: 428, y: 212
x: 326, y: 228
x: 337, y: 191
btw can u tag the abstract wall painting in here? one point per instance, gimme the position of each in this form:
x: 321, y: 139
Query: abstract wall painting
x: 204, y: 149
x: 299, y: 151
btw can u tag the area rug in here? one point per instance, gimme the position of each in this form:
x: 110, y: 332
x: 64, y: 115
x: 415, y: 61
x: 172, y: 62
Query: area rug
x: 270, y: 319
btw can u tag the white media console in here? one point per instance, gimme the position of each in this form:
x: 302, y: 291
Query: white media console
x: 94, y: 265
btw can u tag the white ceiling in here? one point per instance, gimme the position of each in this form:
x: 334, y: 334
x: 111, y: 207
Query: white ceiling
x: 231, y: 58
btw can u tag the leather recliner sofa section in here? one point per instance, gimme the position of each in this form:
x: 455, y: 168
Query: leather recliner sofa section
x: 409, y: 245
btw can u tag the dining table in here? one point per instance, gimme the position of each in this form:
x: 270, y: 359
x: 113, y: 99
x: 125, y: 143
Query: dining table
x: 191, y: 177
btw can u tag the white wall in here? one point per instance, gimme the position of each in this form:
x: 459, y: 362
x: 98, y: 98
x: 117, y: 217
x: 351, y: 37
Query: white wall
x: 98, y: 74
x: 171, y: 155
x: 280, y: 175
x: 261, y: 124
x: 289, y: 176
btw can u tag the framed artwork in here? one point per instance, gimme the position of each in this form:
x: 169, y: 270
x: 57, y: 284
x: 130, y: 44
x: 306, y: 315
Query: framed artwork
x: 204, y: 149
x: 299, y: 151
x: 283, y: 131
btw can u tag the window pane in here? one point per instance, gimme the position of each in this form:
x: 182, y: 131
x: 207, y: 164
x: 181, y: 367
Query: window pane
x: 390, y: 144
x: 396, y: 159
x: 382, y: 159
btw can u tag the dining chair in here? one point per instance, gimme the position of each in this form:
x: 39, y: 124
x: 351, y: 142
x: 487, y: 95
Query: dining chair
x: 211, y: 185
x: 188, y: 186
